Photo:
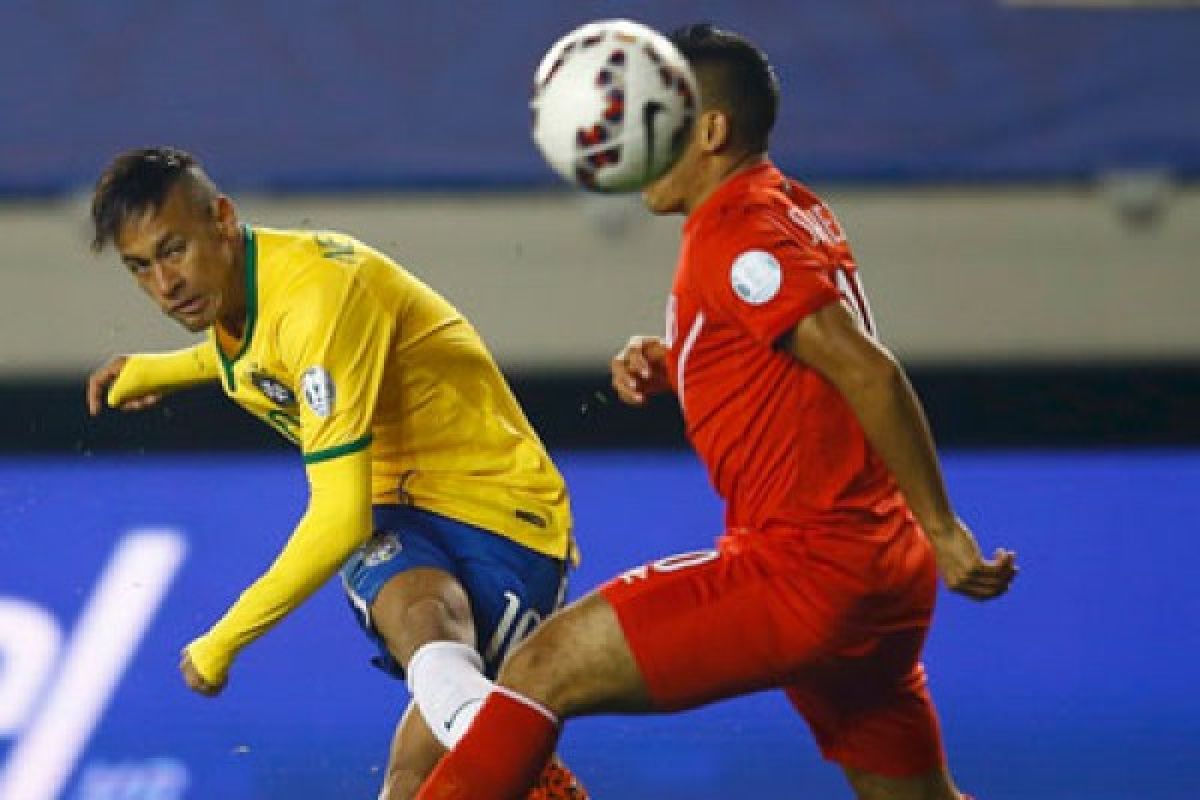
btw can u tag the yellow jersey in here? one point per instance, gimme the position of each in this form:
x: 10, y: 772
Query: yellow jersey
x: 343, y: 349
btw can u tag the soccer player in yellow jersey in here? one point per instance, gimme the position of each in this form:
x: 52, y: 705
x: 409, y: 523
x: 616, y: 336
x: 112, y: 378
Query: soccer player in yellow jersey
x: 429, y: 489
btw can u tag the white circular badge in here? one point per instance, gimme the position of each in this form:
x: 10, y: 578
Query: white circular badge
x: 319, y: 391
x: 756, y: 276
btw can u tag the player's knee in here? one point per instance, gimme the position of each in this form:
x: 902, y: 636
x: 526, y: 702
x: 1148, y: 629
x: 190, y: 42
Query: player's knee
x: 435, y: 612
x: 535, y: 670
x: 529, y: 664
x: 407, y: 622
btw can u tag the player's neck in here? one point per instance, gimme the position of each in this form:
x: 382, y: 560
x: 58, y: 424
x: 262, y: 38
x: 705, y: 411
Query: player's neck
x: 233, y: 314
x: 720, y: 170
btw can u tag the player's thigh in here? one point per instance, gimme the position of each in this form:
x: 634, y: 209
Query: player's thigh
x: 578, y: 662
x: 420, y: 605
x: 871, y: 712
x: 403, y: 590
x: 414, y: 754
x: 426, y: 577
x: 713, y: 624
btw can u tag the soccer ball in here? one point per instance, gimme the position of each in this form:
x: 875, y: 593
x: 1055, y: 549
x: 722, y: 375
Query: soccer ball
x: 613, y: 103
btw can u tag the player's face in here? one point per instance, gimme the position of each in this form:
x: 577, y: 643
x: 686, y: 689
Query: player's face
x: 184, y: 257
x: 669, y: 194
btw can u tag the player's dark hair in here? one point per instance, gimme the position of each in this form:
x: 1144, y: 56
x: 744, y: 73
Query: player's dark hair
x: 735, y: 77
x: 138, y: 181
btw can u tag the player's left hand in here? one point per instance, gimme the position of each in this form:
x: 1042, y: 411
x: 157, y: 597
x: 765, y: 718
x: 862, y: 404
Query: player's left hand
x: 963, y: 567
x: 195, y: 681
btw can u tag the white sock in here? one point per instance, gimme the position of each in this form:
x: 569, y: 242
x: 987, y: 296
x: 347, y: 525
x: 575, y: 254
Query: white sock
x: 447, y: 683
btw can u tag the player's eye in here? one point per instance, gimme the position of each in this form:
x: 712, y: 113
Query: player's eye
x: 174, y: 250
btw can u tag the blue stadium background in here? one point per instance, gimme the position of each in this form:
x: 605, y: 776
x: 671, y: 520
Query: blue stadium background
x: 1081, y: 684
x: 321, y: 94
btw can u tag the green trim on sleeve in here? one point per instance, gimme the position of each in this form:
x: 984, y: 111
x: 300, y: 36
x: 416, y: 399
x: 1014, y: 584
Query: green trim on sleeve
x: 338, y: 451
x: 251, y: 308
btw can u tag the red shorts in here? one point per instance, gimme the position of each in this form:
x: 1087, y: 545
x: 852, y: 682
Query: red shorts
x: 834, y: 618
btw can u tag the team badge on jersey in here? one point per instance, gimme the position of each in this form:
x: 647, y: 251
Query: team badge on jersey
x: 274, y: 389
x: 319, y: 391
x: 381, y: 548
x: 756, y: 276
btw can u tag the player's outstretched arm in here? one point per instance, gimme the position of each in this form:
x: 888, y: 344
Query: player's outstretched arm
x: 337, y: 521
x: 137, y: 382
x: 832, y: 341
x: 640, y: 370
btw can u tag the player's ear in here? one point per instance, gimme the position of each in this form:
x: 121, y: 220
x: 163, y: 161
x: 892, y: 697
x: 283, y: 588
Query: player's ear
x: 714, y: 130
x: 224, y: 215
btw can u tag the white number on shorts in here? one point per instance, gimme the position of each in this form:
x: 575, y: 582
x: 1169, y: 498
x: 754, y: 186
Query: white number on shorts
x: 511, y: 628
x: 671, y: 564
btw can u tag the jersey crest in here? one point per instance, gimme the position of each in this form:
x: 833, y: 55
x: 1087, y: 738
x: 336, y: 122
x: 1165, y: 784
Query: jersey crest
x: 273, y: 389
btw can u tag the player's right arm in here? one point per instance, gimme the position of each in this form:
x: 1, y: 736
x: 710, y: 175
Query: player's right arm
x: 136, y: 382
x: 640, y: 370
x: 832, y: 341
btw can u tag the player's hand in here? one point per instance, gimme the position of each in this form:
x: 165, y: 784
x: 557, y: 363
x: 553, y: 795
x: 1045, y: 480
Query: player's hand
x: 195, y: 681
x: 99, y: 382
x: 640, y: 370
x: 965, y: 570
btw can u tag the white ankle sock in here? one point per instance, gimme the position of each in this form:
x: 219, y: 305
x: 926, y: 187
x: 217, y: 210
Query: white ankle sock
x: 447, y: 683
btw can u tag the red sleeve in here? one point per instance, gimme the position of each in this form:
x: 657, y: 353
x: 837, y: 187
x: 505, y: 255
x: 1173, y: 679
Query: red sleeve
x: 765, y: 279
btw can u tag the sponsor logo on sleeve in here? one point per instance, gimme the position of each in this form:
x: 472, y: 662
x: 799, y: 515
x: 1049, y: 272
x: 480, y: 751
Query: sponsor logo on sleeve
x: 756, y: 276
x: 319, y: 391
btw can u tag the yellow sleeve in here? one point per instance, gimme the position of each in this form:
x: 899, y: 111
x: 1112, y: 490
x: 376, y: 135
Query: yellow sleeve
x: 336, y: 339
x: 337, y: 521
x: 149, y: 373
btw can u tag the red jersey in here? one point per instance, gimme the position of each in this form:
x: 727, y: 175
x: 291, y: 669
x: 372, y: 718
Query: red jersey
x: 781, y: 445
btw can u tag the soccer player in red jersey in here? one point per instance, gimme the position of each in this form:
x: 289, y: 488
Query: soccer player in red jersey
x: 837, y: 519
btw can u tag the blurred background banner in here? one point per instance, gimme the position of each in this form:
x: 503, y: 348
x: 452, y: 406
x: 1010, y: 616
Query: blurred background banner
x: 323, y: 94
x: 1017, y: 181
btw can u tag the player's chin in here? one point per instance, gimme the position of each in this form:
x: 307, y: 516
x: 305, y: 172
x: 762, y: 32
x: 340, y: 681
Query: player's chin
x: 193, y: 323
x: 658, y: 201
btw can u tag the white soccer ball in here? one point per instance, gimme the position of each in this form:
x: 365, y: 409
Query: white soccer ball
x: 613, y: 102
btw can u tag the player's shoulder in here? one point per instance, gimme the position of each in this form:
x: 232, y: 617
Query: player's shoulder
x: 297, y: 246
x: 780, y: 213
x: 297, y: 269
x: 299, y: 258
x: 764, y: 205
x: 758, y: 219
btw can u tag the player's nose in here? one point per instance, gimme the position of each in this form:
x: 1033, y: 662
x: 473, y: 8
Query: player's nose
x: 167, y: 280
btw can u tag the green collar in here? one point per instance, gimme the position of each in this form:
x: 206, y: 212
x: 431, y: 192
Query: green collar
x: 251, y: 261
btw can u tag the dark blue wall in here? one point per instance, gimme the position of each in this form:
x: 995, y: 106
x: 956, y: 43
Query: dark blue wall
x: 1080, y: 684
x: 340, y: 95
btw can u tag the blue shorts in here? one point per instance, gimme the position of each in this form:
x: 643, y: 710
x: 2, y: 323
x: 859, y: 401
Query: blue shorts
x: 511, y: 588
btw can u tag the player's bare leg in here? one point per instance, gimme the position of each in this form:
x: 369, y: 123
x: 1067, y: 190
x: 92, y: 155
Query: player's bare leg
x: 933, y: 785
x: 575, y: 662
x: 414, y: 608
x: 414, y: 754
x: 578, y: 662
